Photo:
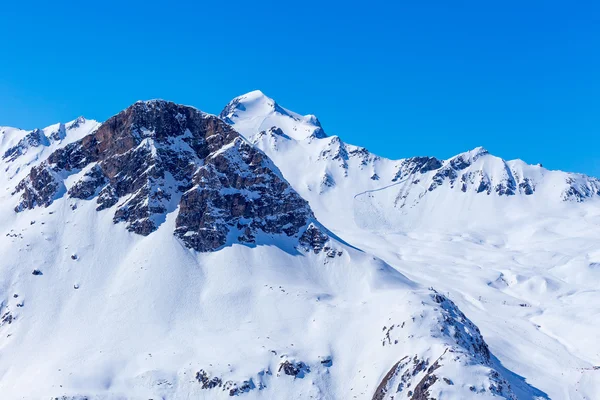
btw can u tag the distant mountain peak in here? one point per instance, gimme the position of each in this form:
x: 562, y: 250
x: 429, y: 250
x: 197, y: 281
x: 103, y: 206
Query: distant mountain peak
x: 15, y: 143
x: 334, y: 168
x: 254, y: 112
x: 477, y: 152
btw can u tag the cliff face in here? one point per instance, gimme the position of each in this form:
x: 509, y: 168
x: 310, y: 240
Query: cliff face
x: 156, y: 156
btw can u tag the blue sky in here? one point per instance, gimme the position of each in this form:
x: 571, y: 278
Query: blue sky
x: 405, y: 78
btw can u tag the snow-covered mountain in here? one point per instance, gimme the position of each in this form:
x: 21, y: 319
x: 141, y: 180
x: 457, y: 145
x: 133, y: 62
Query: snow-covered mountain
x: 516, y: 246
x: 162, y: 255
x: 20, y: 149
x: 350, y: 187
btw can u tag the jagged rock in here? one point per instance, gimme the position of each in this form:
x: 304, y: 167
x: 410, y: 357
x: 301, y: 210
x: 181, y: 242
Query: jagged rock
x: 416, y: 164
x: 59, y: 134
x: 156, y: 154
x: 421, y: 391
x: 313, y: 239
x: 33, y: 139
x: 235, y: 389
x: 464, y: 332
x: 336, y: 150
x: 38, y: 189
x: 238, y: 188
x: 362, y: 154
x: 7, y: 318
x: 318, y: 133
x: 326, y: 182
x: 527, y: 187
x: 440, y: 176
x: 36, y: 272
x: 107, y: 198
x: 327, y: 361
x: 87, y: 186
x: 581, y: 189
x: 383, y: 387
x: 504, y: 184
x: 465, y: 347
x: 295, y: 369
x: 231, y: 387
x: 207, y: 382
x: 508, y: 186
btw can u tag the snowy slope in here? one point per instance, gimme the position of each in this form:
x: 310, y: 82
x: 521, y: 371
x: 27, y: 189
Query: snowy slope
x: 20, y: 149
x: 163, y: 256
x: 140, y: 316
x: 515, y: 245
x: 341, y: 181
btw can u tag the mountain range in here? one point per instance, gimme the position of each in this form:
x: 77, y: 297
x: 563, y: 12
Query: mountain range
x: 168, y: 253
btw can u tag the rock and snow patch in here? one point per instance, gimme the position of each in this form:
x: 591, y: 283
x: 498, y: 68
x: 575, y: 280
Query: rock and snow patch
x: 157, y: 157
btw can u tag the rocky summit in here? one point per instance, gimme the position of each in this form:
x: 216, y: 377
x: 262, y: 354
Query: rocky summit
x: 157, y: 156
x: 167, y: 253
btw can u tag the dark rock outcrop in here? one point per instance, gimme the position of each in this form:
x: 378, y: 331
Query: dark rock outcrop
x: 157, y: 155
x: 238, y: 189
x: 292, y: 368
x: 39, y: 188
x: 417, y: 378
x: 34, y: 138
x: 231, y: 387
x: 313, y: 239
x: 581, y: 189
x: 416, y: 164
x: 207, y: 381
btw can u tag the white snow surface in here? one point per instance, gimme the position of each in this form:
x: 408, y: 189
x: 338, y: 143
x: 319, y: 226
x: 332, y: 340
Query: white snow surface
x: 524, y: 267
x: 115, y: 315
x: 27, y: 149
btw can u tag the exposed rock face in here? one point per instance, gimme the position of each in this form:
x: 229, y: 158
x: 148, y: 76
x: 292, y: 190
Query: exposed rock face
x: 33, y: 139
x: 238, y: 190
x: 313, y: 239
x: 39, y: 189
x: 40, y: 138
x: 416, y: 164
x: 207, y: 381
x: 581, y: 189
x: 338, y: 151
x: 418, y: 378
x: 156, y: 155
x: 87, y: 187
x: 296, y: 369
x: 465, y: 333
x: 258, y: 381
x: 506, y: 183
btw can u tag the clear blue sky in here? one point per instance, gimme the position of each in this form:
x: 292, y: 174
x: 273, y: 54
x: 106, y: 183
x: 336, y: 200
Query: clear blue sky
x: 521, y: 78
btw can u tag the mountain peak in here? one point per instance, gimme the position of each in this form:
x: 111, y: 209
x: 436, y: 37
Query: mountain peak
x: 479, y: 150
x: 254, y: 112
x: 157, y: 157
x: 254, y: 94
x: 254, y: 102
x: 473, y: 154
x: 152, y: 101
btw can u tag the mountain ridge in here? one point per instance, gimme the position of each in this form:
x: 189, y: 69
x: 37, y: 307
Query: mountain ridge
x: 177, y: 256
x: 404, y: 190
x: 162, y: 230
